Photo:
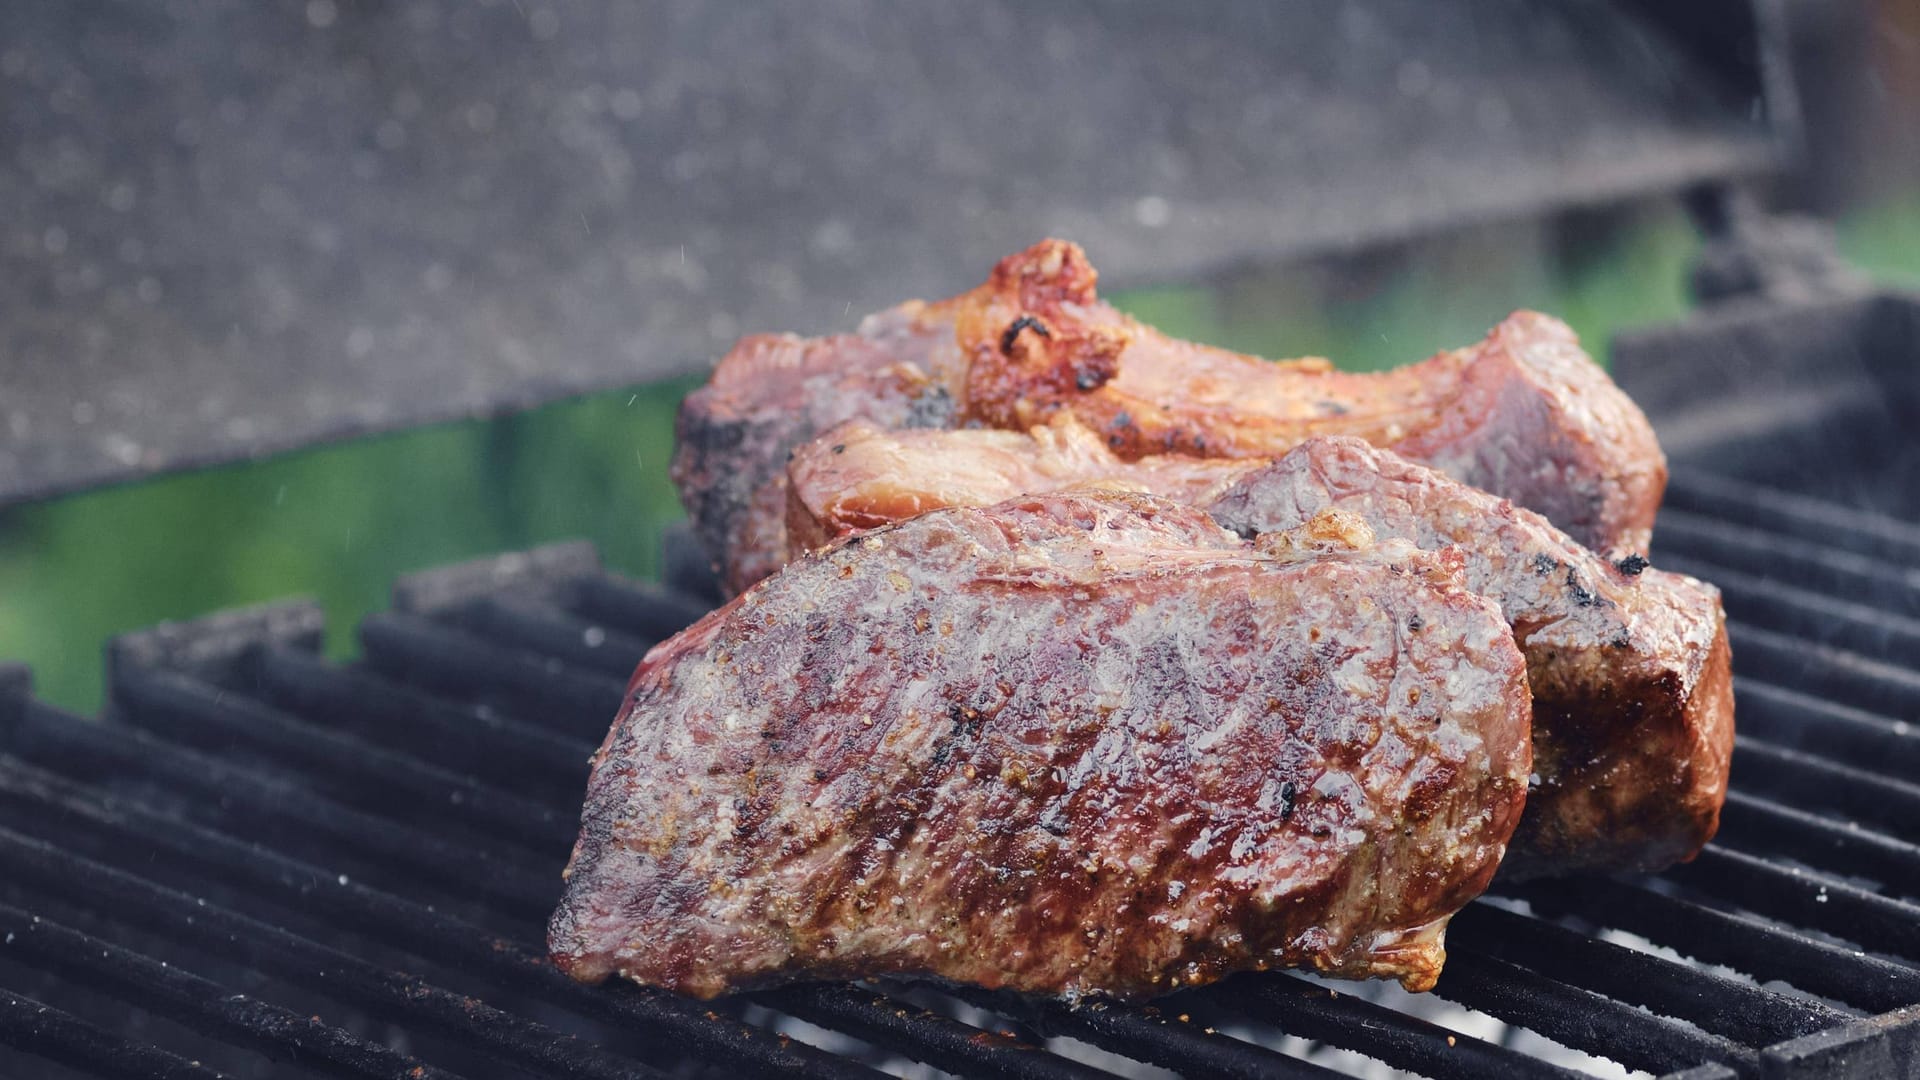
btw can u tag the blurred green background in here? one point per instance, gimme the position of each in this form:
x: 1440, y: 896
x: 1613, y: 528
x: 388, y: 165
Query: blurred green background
x: 339, y: 523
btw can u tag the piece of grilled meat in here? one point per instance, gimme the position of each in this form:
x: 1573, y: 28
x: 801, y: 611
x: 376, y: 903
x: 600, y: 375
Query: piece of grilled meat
x: 859, y: 475
x: 1630, y: 667
x: 1633, y: 699
x: 776, y: 391
x: 1080, y: 743
x: 1523, y: 414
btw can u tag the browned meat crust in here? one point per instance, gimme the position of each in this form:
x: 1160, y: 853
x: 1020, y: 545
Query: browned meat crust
x: 1070, y: 744
x: 1523, y: 414
x: 1630, y: 668
x: 860, y: 476
x: 776, y: 391
x: 1633, y: 700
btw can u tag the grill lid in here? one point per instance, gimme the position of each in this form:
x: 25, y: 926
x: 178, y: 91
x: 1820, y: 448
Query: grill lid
x: 237, y: 228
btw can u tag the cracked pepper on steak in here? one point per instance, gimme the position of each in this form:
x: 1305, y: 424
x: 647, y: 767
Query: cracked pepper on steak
x: 1524, y: 414
x: 1073, y: 743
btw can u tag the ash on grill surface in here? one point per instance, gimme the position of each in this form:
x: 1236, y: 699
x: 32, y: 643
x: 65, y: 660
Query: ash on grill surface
x: 262, y: 863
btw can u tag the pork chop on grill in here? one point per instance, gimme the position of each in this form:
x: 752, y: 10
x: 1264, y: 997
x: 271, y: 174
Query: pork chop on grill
x: 1632, y: 692
x: 1523, y: 414
x: 1070, y: 744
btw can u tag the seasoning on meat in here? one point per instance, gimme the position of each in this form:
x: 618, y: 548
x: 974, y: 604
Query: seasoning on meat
x: 878, y: 477
x: 1630, y: 667
x: 1072, y: 744
x: 1633, y: 698
x: 1523, y: 414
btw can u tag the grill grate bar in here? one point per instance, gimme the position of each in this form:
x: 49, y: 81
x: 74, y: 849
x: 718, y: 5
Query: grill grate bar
x: 200, y: 714
x: 1805, y: 898
x: 506, y: 752
x: 1806, y: 564
x: 280, y: 814
x: 1762, y: 950
x: 1577, y: 1017
x: 1149, y: 1033
x: 646, y: 610
x: 67, y: 1040
x: 129, y: 899
x: 543, y: 628
x: 1814, y: 616
x: 925, y: 1036
x: 1835, y: 674
x: 414, y: 648
x: 1748, y: 1014
x: 1807, y: 780
x: 1714, y: 495
x: 1884, y: 1046
x: 1793, y: 720
x: 1761, y: 827
x: 137, y: 831
x: 1302, y: 1009
x: 196, y: 1002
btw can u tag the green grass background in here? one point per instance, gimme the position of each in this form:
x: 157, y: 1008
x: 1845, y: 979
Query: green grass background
x: 338, y: 523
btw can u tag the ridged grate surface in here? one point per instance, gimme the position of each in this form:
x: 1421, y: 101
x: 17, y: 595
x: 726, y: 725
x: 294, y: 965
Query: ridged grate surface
x: 263, y: 863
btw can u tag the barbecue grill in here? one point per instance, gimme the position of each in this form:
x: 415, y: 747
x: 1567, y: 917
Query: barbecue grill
x: 345, y: 868
x: 260, y: 862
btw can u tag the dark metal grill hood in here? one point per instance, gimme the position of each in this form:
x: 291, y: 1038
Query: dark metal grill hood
x: 236, y: 228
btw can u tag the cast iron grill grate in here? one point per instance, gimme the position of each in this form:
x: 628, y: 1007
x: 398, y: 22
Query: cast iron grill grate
x: 267, y: 864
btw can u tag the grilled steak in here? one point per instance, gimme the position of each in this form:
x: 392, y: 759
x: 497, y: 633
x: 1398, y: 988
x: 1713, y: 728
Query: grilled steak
x: 1632, y: 697
x: 1071, y: 744
x: 1629, y: 666
x: 860, y: 476
x: 774, y: 392
x: 1523, y: 414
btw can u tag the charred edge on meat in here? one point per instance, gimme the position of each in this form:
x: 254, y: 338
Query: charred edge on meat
x: 933, y: 408
x: 1024, y: 322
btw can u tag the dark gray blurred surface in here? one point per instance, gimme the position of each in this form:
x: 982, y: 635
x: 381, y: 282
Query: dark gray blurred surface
x: 230, y: 228
x: 1815, y: 396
